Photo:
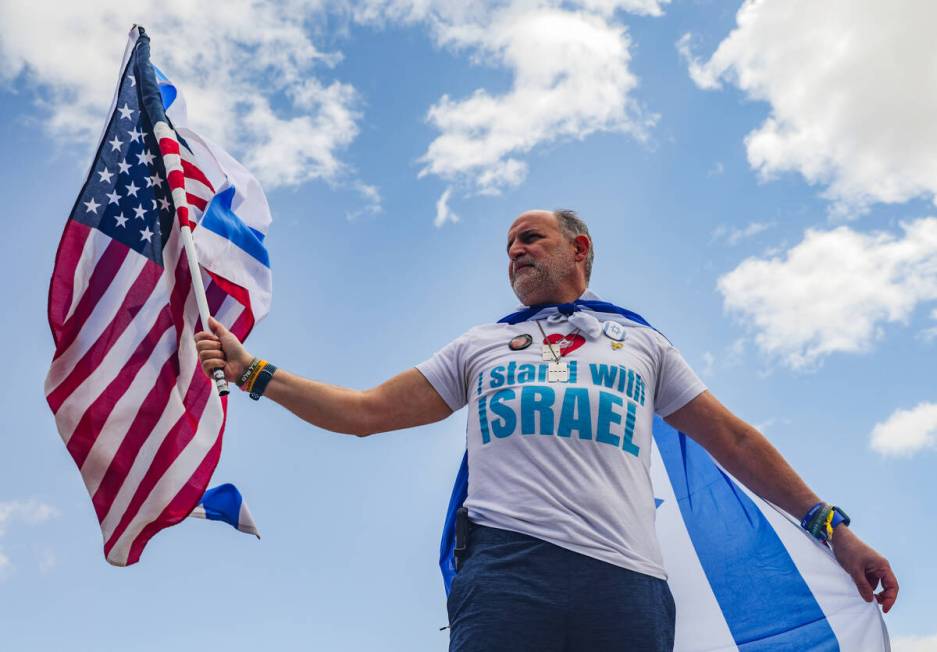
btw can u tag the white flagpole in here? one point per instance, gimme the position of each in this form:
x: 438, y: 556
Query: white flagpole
x: 176, y: 179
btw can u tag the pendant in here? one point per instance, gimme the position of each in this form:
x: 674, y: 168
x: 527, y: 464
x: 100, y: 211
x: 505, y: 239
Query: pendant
x: 558, y: 372
x: 550, y: 354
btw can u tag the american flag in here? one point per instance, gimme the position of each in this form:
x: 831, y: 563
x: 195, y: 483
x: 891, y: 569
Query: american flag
x: 139, y: 417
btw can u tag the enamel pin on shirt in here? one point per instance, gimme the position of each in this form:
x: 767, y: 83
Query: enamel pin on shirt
x: 614, y: 331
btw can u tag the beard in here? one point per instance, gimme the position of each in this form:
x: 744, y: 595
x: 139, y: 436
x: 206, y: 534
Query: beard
x: 538, y: 282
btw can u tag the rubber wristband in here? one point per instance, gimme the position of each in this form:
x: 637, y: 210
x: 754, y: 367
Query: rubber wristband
x: 242, y: 380
x: 249, y: 386
x: 260, y: 383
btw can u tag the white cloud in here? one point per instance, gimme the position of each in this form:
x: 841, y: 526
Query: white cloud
x: 570, y: 78
x: 734, y: 235
x: 906, y: 431
x: 228, y: 63
x: 851, y: 88
x: 914, y: 644
x: 31, y: 512
x: 443, y: 212
x: 834, y: 290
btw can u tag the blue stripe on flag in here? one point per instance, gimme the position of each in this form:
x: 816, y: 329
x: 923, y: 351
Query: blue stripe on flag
x: 766, y: 603
x: 166, y: 90
x: 220, y: 219
x: 222, y: 503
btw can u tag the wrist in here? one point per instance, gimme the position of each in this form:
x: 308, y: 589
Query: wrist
x: 822, y: 519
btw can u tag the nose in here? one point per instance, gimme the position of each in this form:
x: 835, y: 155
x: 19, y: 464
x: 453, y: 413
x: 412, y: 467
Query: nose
x: 516, y: 250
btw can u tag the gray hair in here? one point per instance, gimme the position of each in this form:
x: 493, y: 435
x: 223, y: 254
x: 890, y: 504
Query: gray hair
x: 571, y: 225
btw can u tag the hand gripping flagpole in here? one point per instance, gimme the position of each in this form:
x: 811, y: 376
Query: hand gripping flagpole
x: 172, y: 161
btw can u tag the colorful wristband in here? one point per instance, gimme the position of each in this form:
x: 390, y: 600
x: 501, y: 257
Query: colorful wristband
x: 260, y: 382
x: 821, y: 520
x: 242, y: 380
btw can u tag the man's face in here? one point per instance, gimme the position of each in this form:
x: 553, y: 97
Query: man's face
x: 541, y: 259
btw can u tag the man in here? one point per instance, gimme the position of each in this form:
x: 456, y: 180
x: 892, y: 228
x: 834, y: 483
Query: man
x: 562, y: 552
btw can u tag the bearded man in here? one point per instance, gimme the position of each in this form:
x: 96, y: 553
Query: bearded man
x: 562, y: 553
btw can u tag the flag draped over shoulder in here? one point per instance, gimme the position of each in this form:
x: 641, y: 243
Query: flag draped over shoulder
x: 744, y: 575
x: 140, y: 419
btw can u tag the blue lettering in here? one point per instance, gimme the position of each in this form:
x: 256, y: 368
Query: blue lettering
x: 526, y: 373
x: 512, y: 366
x: 497, y: 377
x: 572, y: 371
x: 638, y: 389
x: 483, y: 420
x: 608, y: 416
x: 537, y: 400
x: 603, y: 374
x: 576, y: 414
x: 628, y: 439
x: 503, y: 427
x: 542, y: 373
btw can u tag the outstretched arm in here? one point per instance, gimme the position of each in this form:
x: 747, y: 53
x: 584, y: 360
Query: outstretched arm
x: 749, y: 456
x: 404, y: 401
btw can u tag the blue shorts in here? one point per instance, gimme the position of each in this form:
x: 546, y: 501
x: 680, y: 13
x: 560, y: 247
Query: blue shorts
x: 516, y: 593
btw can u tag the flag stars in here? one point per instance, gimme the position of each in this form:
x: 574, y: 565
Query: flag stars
x: 121, y: 220
x: 145, y: 158
x: 135, y: 136
x: 113, y: 198
x: 132, y: 189
x: 124, y: 167
x: 91, y: 206
x: 139, y: 212
x: 126, y: 112
x: 115, y: 144
x: 105, y: 175
x: 133, y: 80
x: 146, y: 234
x: 156, y: 180
x: 164, y: 203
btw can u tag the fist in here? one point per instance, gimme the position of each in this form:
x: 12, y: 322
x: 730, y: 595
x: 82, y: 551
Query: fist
x: 220, y: 349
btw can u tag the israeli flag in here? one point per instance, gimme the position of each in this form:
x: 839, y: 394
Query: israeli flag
x: 743, y: 573
x: 224, y: 503
x: 232, y: 226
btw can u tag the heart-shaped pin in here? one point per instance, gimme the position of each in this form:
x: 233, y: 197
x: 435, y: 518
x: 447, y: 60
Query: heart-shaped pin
x: 567, y: 343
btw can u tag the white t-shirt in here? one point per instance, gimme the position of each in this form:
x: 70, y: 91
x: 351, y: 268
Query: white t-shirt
x: 566, y: 462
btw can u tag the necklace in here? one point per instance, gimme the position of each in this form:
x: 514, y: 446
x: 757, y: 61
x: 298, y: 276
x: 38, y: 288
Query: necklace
x: 558, y: 370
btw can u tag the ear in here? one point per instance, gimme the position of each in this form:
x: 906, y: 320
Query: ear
x: 583, y: 245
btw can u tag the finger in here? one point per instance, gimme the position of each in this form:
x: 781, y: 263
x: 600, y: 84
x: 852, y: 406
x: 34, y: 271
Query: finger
x: 208, y: 345
x: 211, y: 364
x: 889, y: 592
x: 865, y: 589
x: 217, y: 327
x: 202, y: 336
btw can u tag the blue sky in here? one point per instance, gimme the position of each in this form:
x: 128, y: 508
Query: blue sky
x: 759, y: 181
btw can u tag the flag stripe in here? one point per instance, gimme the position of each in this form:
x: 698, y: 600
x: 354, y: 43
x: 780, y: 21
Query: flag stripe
x: 97, y: 414
x: 169, y: 449
x: 183, y: 503
x: 134, y: 416
x: 101, y: 280
x: 68, y: 260
x: 192, y: 171
x: 154, y: 408
x: 148, y: 416
x: 133, y: 301
x: 762, y: 613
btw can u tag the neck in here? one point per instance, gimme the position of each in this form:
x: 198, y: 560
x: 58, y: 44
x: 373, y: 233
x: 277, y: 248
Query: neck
x: 565, y: 295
